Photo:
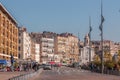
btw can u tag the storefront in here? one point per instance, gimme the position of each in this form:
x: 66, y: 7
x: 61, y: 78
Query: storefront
x: 3, y: 64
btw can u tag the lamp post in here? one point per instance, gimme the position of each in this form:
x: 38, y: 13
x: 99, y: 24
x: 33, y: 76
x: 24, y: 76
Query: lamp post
x: 90, y: 29
x: 102, y: 56
x: 102, y: 51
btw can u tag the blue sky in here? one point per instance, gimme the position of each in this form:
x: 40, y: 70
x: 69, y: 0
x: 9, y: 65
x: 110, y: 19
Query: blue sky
x: 67, y: 16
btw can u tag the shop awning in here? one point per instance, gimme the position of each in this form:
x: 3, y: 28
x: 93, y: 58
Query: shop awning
x: 3, y: 62
x: 52, y: 62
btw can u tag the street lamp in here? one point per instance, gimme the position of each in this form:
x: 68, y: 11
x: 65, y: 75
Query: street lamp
x: 90, y: 29
x: 101, y: 29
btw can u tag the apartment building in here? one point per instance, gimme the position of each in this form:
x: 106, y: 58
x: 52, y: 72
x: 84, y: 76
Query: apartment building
x: 8, y: 35
x: 46, y: 41
x: 73, y: 48
x: 24, y: 44
x: 37, y: 53
x: 60, y: 48
x: 33, y: 49
x: 66, y: 47
x: 115, y: 48
x: 108, y: 45
x: 47, y: 49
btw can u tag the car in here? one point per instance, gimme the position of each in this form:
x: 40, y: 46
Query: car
x: 58, y: 64
x: 47, y: 67
x: 64, y: 64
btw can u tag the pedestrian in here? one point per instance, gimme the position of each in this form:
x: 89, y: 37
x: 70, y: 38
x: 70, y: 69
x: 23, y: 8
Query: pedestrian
x: 21, y: 67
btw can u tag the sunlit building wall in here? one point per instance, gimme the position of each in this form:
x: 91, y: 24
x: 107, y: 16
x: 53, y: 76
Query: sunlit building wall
x: 47, y: 49
x: 60, y: 48
x: 73, y: 48
x: 66, y: 46
x: 24, y: 44
x: 8, y: 35
x: 37, y: 53
x: 33, y: 49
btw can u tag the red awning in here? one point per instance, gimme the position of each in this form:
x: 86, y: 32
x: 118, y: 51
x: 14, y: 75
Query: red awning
x: 52, y: 62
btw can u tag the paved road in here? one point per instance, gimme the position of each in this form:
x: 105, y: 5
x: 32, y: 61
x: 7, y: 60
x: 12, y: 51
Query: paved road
x: 73, y: 74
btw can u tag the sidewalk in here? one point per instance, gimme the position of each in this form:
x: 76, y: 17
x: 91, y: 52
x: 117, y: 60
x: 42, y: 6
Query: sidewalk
x: 7, y: 75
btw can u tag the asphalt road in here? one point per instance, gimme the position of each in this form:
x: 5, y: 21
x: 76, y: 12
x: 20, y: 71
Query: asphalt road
x: 73, y: 74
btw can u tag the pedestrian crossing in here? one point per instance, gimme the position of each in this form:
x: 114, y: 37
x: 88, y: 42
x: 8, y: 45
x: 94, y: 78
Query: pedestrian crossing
x: 67, y: 70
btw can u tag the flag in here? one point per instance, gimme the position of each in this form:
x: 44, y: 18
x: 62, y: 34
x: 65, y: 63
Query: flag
x: 90, y: 28
x: 102, y: 19
x: 101, y: 24
x: 90, y: 31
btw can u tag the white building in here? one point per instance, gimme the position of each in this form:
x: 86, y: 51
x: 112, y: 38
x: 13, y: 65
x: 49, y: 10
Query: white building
x: 87, y: 52
x: 37, y: 53
x: 24, y: 44
x: 47, y: 49
x: 85, y: 55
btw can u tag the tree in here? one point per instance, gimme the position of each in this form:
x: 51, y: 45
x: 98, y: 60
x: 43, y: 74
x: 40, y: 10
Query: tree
x: 107, y: 56
x: 96, y: 58
x: 109, y: 64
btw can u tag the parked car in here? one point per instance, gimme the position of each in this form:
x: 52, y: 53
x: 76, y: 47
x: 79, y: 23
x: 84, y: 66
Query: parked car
x: 58, y: 64
x: 47, y: 67
x: 64, y: 64
x: 74, y: 65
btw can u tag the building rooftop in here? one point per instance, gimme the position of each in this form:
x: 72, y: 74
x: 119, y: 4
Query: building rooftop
x: 5, y: 11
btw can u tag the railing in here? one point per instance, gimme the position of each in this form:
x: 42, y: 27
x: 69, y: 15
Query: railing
x: 106, y: 71
x: 110, y: 72
x: 26, y: 76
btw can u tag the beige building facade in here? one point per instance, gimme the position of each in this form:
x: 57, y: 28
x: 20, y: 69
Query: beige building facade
x: 61, y: 48
x: 108, y: 45
x: 73, y: 48
x: 8, y: 35
x: 66, y: 47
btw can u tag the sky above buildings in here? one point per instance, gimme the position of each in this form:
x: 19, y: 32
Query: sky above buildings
x: 67, y: 16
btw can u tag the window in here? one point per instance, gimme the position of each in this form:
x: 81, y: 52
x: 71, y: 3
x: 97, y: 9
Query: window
x: 11, y: 44
x: 19, y: 48
x: 7, y: 34
x: 7, y: 24
x: 7, y: 51
x: 7, y: 43
x: 19, y: 41
x: 3, y: 21
x: 19, y: 55
x: 3, y: 52
x: 19, y: 34
x: 3, y: 32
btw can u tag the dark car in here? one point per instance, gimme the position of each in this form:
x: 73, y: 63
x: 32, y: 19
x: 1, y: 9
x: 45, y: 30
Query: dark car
x: 47, y: 67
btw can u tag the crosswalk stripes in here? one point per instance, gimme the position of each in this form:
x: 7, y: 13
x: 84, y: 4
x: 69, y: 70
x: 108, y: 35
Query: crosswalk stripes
x: 67, y: 70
